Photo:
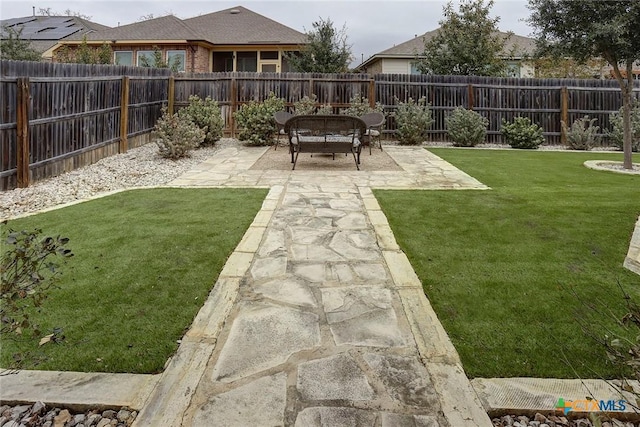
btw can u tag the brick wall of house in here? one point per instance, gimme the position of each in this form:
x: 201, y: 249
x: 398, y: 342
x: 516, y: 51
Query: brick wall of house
x: 375, y: 68
x: 201, y: 60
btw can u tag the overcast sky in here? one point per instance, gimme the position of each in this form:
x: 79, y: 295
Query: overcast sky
x: 372, y: 26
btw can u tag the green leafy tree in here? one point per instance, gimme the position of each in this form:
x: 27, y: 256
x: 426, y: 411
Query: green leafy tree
x: 157, y: 61
x: 593, y: 28
x: 85, y: 54
x: 468, y: 43
x: 13, y: 47
x: 327, y: 50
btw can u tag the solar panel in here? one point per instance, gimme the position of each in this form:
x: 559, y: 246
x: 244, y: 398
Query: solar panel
x: 13, y: 21
x: 53, y: 34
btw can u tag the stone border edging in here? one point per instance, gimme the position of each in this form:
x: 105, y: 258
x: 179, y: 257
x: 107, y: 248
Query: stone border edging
x: 528, y: 396
x: 632, y: 261
x: 595, y: 165
x: 460, y: 404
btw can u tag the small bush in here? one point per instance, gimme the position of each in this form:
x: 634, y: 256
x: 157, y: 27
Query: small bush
x: 207, y: 116
x: 27, y: 272
x: 466, y: 128
x: 583, y: 134
x: 305, y: 106
x: 617, y: 133
x: 325, y: 109
x: 413, y: 120
x: 521, y: 133
x: 176, y: 135
x: 359, y: 106
x: 255, y: 120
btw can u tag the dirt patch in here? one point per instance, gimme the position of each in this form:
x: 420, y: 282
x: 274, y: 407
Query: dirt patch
x: 280, y: 159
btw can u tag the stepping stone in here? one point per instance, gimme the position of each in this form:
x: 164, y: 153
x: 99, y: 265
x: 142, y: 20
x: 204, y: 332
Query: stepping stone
x: 336, y: 377
x: 263, y: 336
x: 405, y: 379
x: 290, y: 290
x: 398, y: 420
x: 265, y: 268
x: 261, y: 402
x: 362, y: 316
x: 335, y: 416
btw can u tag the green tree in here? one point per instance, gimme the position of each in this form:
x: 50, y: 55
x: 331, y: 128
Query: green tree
x: 156, y: 61
x: 13, y: 47
x: 327, y: 50
x: 468, y: 43
x: 85, y: 54
x: 593, y: 28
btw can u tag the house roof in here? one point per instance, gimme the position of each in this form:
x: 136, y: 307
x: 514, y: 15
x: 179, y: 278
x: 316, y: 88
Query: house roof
x: 236, y: 25
x: 45, y: 31
x: 518, y: 45
x: 163, y: 28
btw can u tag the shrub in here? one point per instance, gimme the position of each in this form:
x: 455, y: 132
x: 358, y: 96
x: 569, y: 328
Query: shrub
x: 207, y: 116
x: 413, y: 120
x: 176, y: 135
x: 521, y: 133
x: 466, y: 128
x: 583, y: 134
x: 359, y: 106
x: 27, y: 272
x: 306, y: 105
x: 617, y: 133
x: 255, y: 120
x: 325, y: 109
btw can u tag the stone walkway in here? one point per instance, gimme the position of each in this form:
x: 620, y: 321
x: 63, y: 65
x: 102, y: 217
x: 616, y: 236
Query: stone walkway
x: 317, y: 318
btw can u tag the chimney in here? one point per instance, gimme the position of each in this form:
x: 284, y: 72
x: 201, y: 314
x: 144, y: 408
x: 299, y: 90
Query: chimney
x: 34, y: 11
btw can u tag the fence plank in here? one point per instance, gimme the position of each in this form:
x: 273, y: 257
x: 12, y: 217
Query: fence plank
x: 23, y: 132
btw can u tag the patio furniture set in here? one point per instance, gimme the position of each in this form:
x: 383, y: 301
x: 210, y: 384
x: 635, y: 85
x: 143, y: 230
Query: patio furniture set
x: 329, y: 134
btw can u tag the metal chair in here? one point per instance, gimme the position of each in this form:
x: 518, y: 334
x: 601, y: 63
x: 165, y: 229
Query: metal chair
x: 374, y: 122
x: 281, y: 118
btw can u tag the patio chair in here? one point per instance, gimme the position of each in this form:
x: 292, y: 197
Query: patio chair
x: 374, y: 122
x: 281, y: 118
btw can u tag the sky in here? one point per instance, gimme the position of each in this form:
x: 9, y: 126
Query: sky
x: 371, y: 26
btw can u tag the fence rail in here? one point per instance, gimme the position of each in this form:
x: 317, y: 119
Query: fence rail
x: 57, y: 117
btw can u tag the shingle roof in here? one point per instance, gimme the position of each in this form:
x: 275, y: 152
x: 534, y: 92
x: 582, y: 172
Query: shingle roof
x: 45, y: 31
x: 238, y: 25
x: 164, y: 28
x: 522, y: 45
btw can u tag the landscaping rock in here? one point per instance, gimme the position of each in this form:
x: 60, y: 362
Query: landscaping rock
x: 39, y: 415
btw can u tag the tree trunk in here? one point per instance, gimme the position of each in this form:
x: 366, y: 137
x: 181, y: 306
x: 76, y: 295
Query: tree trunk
x: 626, y: 117
x: 626, y: 85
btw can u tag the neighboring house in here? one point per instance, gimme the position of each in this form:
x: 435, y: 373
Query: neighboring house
x: 234, y: 39
x: 45, y: 32
x: 401, y: 59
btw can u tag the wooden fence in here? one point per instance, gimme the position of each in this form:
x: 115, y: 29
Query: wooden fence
x: 57, y: 117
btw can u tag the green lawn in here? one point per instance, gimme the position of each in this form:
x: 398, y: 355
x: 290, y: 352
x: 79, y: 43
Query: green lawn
x: 144, y: 262
x: 501, y: 266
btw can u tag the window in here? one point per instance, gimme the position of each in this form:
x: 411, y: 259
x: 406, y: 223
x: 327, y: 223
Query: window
x: 222, y: 61
x: 176, y: 59
x: 413, y: 69
x: 513, y: 69
x: 247, y: 61
x: 269, y: 54
x: 144, y: 58
x: 123, y: 58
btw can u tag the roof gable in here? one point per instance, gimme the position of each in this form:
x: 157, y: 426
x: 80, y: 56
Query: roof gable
x: 238, y: 25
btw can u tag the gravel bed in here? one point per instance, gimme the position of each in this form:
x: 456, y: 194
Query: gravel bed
x: 40, y: 415
x: 138, y: 167
x: 540, y: 420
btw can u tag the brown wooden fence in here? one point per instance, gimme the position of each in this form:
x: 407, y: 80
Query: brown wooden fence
x: 59, y: 117
x: 56, y: 117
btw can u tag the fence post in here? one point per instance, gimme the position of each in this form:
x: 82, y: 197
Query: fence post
x: 171, y: 94
x: 22, y: 119
x: 564, y: 113
x: 372, y: 93
x: 234, y: 106
x: 124, y: 116
x: 470, y: 93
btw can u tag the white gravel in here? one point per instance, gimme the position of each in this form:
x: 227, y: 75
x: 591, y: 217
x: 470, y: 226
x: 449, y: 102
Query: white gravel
x: 139, y: 167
